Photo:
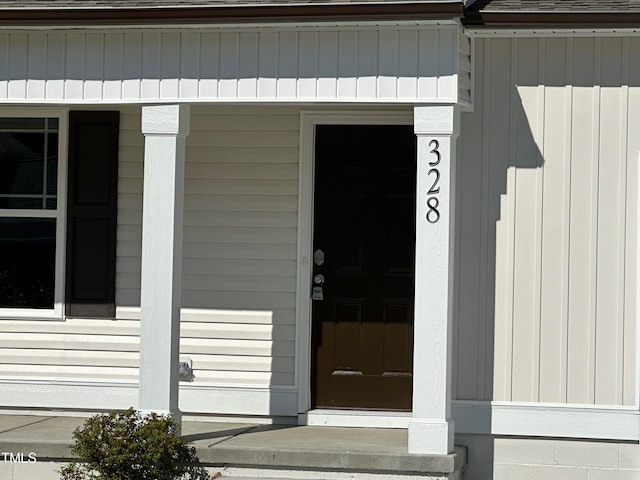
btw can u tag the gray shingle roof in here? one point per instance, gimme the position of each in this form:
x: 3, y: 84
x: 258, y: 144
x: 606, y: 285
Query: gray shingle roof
x: 604, y: 6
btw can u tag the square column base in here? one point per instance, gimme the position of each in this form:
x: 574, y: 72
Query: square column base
x: 431, y: 436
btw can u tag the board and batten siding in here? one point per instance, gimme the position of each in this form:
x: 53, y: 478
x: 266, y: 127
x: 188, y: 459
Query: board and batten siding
x: 382, y: 63
x: 238, y: 320
x: 547, y: 247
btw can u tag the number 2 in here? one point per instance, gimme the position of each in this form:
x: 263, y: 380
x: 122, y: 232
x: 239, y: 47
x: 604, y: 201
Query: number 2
x: 434, y: 187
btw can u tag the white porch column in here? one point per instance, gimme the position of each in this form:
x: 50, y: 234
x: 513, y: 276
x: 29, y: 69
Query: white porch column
x: 431, y: 428
x: 165, y: 128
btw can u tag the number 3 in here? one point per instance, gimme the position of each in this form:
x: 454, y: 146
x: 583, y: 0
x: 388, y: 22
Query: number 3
x: 435, y: 152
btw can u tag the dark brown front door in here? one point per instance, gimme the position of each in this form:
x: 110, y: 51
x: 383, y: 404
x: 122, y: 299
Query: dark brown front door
x: 364, y: 244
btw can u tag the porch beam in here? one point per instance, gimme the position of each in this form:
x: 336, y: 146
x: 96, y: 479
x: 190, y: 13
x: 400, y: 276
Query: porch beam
x: 165, y: 128
x: 431, y: 429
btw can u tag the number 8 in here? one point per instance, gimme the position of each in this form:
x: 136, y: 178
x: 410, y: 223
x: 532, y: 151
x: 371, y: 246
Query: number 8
x: 433, y: 215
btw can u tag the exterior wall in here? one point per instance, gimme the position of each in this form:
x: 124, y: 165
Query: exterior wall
x: 238, y: 320
x: 547, y: 254
x: 239, y: 242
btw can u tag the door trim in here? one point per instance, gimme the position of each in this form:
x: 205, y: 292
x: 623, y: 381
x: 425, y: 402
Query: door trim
x: 308, y: 121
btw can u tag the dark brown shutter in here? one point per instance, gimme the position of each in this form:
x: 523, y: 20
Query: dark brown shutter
x: 92, y: 214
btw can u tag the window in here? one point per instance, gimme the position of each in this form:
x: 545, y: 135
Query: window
x: 32, y: 214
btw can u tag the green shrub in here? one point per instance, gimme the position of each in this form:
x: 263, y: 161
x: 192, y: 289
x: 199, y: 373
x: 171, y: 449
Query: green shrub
x: 126, y: 445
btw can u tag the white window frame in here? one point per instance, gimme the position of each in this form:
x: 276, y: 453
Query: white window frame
x: 60, y: 213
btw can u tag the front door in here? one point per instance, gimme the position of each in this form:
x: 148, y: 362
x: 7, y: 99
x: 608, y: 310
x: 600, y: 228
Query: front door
x: 363, y: 272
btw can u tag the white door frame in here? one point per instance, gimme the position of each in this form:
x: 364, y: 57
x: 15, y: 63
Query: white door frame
x: 308, y: 121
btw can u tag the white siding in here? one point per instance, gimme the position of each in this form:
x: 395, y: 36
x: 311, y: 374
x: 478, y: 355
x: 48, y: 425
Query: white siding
x: 548, y: 218
x: 336, y: 64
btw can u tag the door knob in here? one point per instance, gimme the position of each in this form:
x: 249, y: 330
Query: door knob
x: 318, y: 279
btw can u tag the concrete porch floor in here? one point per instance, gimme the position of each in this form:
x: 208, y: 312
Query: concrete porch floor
x: 255, y: 448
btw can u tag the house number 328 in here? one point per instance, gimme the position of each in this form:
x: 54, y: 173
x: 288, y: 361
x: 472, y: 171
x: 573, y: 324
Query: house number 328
x: 433, y: 214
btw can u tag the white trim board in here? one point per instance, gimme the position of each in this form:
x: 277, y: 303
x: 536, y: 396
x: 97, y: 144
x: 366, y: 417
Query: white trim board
x: 547, y: 420
x: 194, y: 399
x: 484, y: 418
x: 471, y: 417
x: 551, y: 32
x: 355, y: 418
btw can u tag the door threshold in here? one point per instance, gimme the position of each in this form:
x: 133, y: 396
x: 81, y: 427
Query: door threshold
x: 355, y: 418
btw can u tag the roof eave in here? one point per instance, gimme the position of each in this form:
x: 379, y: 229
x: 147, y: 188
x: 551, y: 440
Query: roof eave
x: 555, y: 19
x: 234, y: 13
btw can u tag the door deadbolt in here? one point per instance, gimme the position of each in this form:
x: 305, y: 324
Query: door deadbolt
x: 318, y: 279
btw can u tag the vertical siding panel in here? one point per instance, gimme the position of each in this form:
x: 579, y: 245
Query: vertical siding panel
x: 189, y: 64
x: 307, y: 64
x: 498, y: 92
x: 593, y: 235
x: 93, y: 66
x: 407, y: 66
x: 55, y: 66
x: 248, y: 68
x: 566, y: 222
x: 447, y: 63
x: 268, y: 66
x: 387, y: 64
x: 4, y: 65
x: 347, y: 64
x: 493, y: 184
x: 469, y: 344
x: 328, y: 64
x: 631, y: 390
x: 553, y: 227
x: 287, y: 65
x: 170, y: 65
x: 209, y: 65
x: 37, y: 56
x: 581, y: 302
x: 608, y: 311
x: 428, y: 53
x: 74, y: 67
x: 132, y: 65
x: 526, y: 259
x: 18, y: 54
x: 622, y: 216
x: 113, y: 66
x: 367, y: 63
x: 151, y: 65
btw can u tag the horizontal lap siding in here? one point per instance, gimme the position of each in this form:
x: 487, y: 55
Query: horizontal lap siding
x: 547, y: 289
x: 239, y: 252
x: 240, y: 234
x: 238, y: 320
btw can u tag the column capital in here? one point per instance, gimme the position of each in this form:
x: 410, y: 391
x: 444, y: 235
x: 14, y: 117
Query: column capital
x: 436, y: 120
x: 165, y: 119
